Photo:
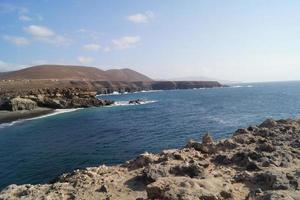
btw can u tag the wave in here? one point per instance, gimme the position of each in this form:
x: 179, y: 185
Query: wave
x: 126, y: 103
x: 148, y: 91
x: 241, y: 86
x: 56, y: 112
x: 122, y: 93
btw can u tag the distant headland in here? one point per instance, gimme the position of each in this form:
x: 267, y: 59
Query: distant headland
x: 64, y: 86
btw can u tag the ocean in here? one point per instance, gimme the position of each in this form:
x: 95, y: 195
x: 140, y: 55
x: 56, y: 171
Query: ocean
x: 38, y: 150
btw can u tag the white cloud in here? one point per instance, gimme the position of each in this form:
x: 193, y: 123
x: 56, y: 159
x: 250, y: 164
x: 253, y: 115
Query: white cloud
x: 126, y: 42
x: 19, y: 41
x: 24, y: 18
x: 92, y: 47
x: 84, y: 59
x: 140, y: 18
x: 39, y: 31
x: 45, y: 34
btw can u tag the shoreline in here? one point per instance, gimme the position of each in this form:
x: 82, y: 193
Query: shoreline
x: 258, y: 162
x: 12, y: 116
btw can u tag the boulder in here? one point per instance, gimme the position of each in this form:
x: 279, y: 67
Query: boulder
x: 174, y: 188
x: 152, y: 172
x: 18, y: 103
x: 188, y: 169
x: 268, y: 123
x: 136, y: 101
x: 142, y: 160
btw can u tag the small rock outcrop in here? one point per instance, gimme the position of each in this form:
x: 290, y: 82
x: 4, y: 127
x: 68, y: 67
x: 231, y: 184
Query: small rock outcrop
x: 256, y: 163
x: 53, y: 98
x: 18, y: 103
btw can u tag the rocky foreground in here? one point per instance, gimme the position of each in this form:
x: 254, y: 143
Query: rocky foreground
x: 259, y: 162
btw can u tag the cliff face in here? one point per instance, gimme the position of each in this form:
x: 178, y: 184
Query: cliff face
x: 52, y: 98
x: 102, y: 87
x: 256, y: 163
x: 73, y: 93
x: 171, y: 85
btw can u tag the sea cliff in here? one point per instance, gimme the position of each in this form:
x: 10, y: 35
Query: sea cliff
x: 61, y: 94
x: 259, y: 162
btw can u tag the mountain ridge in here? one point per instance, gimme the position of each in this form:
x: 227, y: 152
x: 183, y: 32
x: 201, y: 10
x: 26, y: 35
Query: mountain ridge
x: 74, y: 72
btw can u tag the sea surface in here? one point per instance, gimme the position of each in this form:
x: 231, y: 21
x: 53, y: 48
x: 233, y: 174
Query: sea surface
x: 38, y: 150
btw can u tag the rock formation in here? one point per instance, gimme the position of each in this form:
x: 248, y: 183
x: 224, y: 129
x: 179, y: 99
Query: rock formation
x: 259, y: 162
x: 18, y: 103
x: 52, y: 98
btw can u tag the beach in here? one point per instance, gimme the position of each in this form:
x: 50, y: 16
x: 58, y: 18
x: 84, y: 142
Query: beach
x: 9, y: 116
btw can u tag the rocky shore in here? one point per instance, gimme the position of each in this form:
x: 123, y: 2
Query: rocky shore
x: 8, y: 116
x: 259, y: 162
x: 22, y: 105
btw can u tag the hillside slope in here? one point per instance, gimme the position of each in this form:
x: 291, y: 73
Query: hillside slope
x: 126, y: 74
x: 68, y: 72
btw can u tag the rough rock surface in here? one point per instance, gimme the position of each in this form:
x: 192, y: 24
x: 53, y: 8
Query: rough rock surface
x: 18, y: 103
x: 259, y: 162
x: 52, y: 98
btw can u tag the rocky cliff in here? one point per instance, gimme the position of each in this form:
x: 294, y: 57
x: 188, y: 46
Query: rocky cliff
x: 51, y: 98
x: 259, y: 162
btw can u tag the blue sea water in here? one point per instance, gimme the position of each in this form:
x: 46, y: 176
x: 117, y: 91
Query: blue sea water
x: 37, y: 151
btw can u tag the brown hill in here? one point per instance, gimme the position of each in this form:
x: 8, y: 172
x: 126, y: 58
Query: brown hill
x: 68, y: 72
x: 126, y: 74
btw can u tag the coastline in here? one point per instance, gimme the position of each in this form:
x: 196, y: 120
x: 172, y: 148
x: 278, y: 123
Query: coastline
x: 11, y: 116
x: 258, y: 162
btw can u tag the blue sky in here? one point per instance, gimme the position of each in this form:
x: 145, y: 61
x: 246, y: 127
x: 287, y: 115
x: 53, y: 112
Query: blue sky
x: 257, y: 40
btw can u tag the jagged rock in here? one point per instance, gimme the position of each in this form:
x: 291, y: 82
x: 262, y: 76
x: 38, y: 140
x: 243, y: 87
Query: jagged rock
x: 243, y: 159
x: 271, y: 180
x: 265, y: 147
x: 279, y: 195
x: 244, y: 176
x: 256, y: 163
x: 269, y: 123
x: 227, y: 144
x: 222, y: 160
x: 18, y: 103
x: 103, y: 188
x: 151, y: 173
x: 54, y: 98
x: 207, y: 145
x: 194, y: 144
x: 174, y: 188
x: 136, y: 101
x: 142, y: 160
x: 207, y: 139
x: 186, y: 169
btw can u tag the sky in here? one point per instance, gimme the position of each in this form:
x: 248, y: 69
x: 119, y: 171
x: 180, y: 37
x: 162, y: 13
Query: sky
x: 236, y: 40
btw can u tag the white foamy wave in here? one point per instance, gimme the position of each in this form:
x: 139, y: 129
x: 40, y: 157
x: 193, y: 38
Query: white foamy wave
x: 241, y: 86
x: 7, y: 124
x: 122, y: 93
x: 56, y: 112
x: 148, y: 91
x: 126, y: 103
x: 111, y: 94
